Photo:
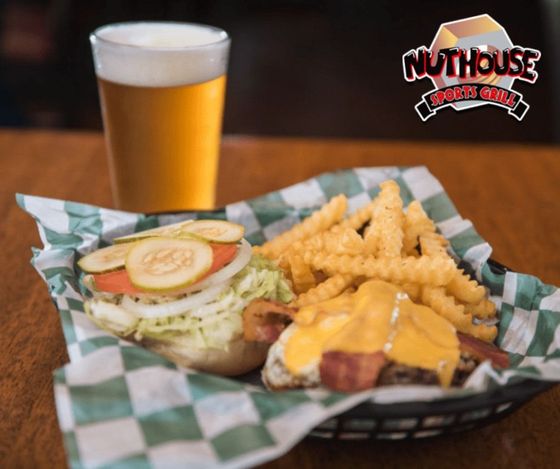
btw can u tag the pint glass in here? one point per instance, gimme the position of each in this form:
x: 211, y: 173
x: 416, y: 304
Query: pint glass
x: 161, y: 87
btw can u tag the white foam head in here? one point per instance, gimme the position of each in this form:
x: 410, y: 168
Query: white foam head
x: 159, y: 54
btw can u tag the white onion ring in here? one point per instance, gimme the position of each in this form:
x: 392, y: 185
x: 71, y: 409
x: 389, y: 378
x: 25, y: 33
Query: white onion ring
x: 237, y: 264
x: 174, y: 308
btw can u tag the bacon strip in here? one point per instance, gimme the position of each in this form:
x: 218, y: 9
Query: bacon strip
x: 264, y: 320
x: 483, y: 350
x: 350, y: 372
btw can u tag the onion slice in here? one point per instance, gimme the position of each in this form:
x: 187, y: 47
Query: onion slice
x: 237, y: 264
x: 174, y: 308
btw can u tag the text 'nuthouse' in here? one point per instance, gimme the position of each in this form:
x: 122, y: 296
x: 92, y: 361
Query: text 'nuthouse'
x: 472, y: 62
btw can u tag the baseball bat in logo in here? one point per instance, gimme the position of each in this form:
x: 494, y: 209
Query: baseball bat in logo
x: 471, y: 62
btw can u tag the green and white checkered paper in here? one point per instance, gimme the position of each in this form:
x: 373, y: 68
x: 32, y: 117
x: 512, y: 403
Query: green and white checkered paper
x: 121, y: 405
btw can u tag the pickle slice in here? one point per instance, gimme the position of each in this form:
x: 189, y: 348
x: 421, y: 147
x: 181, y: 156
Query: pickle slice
x: 171, y: 231
x: 216, y: 231
x: 105, y: 259
x: 166, y: 264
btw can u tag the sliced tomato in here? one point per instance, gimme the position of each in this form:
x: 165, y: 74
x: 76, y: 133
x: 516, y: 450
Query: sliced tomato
x: 119, y: 282
x: 223, y: 254
x: 115, y: 282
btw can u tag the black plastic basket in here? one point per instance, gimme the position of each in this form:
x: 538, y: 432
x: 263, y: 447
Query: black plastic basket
x: 427, y: 419
x: 410, y: 420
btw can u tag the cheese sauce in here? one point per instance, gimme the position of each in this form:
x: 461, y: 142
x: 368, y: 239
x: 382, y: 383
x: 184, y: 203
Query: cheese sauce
x: 378, y: 316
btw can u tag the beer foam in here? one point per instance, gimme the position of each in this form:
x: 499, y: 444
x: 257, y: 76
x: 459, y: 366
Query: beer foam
x: 159, y: 54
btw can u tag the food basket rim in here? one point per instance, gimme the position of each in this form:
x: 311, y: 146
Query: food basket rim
x: 518, y: 392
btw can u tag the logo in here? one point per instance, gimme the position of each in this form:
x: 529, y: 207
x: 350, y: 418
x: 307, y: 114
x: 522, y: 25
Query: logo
x: 471, y: 62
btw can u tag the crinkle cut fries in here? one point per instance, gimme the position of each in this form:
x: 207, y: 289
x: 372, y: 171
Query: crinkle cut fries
x: 325, y: 255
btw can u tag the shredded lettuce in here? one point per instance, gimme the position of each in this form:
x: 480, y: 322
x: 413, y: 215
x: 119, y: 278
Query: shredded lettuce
x: 215, y: 324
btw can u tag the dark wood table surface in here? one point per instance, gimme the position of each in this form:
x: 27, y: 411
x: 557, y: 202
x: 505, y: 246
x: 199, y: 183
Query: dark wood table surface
x: 511, y: 193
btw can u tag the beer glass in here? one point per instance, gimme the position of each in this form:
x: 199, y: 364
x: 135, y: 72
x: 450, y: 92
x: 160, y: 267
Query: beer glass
x: 161, y: 87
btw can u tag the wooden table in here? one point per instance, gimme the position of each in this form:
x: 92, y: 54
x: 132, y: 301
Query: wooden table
x: 512, y: 193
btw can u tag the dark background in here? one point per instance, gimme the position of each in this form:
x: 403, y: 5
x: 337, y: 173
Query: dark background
x: 308, y: 67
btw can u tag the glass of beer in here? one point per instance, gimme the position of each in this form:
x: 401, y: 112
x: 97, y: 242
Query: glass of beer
x: 161, y: 87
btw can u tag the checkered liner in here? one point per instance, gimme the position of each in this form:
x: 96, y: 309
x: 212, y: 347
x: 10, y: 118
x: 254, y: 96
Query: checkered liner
x: 120, y: 404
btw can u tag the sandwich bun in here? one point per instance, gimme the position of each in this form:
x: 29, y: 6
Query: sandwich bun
x: 236, y: 358
x: 239, y: 358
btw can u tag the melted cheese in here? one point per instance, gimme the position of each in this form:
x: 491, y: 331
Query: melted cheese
x: 376, y: 317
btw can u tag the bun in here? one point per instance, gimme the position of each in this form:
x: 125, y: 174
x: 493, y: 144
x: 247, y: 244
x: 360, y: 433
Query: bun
x: 277, y: 377
x: 241, y: 357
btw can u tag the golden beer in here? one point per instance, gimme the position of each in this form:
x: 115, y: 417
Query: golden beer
x: 163, y: 143
x: 163, y: 136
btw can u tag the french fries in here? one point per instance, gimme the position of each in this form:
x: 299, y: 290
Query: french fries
x: 324, y: 255
x: 326, y: 290
x: 399, y: 270
x: 416, y: 223
x: 384, y: 237
x: 342, y: 241
x: 465, y: 289
x: 483, y: 310
x: 319, y: 221
x: 302, y: 276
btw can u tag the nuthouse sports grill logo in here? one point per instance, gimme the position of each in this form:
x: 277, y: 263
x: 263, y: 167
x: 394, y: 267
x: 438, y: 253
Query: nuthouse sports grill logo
x: 472, y: 62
